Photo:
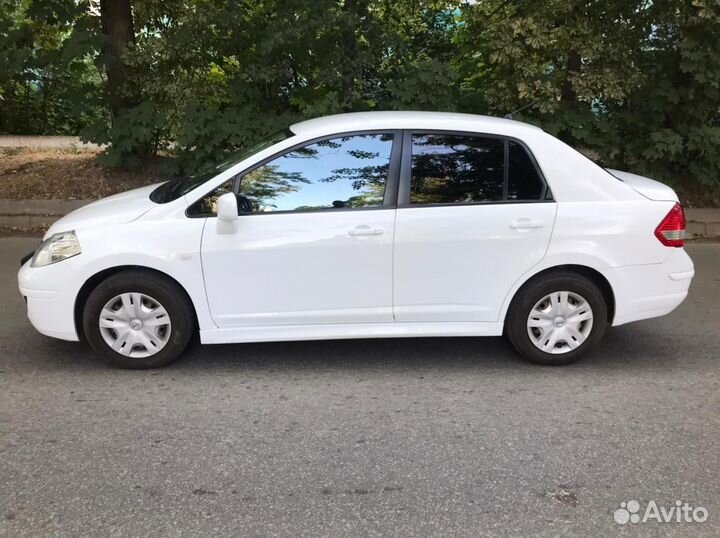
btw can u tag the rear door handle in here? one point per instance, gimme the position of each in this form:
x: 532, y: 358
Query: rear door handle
x: 526, y: 224
x: 364, y: 230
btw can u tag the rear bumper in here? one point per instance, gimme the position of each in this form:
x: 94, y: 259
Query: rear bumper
x: 649, y: 291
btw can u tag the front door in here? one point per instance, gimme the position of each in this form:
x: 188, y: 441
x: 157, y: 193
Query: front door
x: 316, y: 243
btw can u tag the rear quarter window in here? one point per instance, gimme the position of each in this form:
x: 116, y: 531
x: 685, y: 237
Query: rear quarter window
x: 524, y: 181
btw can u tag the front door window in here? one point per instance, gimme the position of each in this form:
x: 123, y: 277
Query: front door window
x: 340, y: 173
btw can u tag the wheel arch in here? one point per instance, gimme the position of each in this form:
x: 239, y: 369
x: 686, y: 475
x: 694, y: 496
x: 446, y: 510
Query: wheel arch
x: 590, y: 273
x: 91, y: 283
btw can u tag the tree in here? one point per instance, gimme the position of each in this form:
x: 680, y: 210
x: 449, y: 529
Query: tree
x: 561, y: 60
x: 48, y: 82
x: 634, y: 81
x: 117, y: 26
x: 669, y: 126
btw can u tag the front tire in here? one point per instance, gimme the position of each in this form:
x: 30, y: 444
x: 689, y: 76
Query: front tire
x: 557, y: 318
x: 138, y: 320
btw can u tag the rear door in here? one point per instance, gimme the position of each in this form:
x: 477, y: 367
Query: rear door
x: 474, y: 214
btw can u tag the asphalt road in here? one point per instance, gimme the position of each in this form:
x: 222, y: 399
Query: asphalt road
x: 421, y: 437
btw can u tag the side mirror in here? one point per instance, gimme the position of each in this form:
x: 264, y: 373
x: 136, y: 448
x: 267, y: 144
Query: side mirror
x: 227, y: 213
x: 227, y: 208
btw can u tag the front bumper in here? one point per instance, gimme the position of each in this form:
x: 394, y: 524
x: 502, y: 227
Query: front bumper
x: 50, y: 301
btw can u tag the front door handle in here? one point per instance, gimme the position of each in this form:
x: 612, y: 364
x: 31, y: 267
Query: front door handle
x: 526, y: 224
x: 364, y: 230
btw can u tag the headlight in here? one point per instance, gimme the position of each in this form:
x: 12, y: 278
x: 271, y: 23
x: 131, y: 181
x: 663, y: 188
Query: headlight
x: 56, y: 248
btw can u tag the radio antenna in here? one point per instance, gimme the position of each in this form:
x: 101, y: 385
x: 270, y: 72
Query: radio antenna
x: 511, y: 114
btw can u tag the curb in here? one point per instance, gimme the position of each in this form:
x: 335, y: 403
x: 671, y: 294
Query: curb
x: 33, y: 213
x: 704, y: 222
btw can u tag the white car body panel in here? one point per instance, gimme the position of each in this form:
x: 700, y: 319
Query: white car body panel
x: 116, y: 209
x: 441, y: 251
x: 434, y: 271
x: 654, y: 190
x: 617, y: 241
x: 336, y: 331
x: 300, y: 268
x: 173, y: 249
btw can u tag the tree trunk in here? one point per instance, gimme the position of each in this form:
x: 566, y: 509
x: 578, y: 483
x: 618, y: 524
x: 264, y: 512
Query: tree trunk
x: 574, y: 64
x: 354, y: 11
x: 117, y: 26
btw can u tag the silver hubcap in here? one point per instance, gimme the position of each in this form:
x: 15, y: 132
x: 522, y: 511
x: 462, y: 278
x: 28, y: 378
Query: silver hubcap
x: 560, y: 322
x: 135, y: 325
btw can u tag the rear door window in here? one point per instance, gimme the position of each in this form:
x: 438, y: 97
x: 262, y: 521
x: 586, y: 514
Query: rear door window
x: 449, y: 168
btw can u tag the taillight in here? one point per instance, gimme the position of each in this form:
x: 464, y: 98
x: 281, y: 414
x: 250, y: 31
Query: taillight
x: 671, y: 230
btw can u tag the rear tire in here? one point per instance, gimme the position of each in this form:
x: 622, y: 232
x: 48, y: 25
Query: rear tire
x: 557, y: 318
x: 138, y: 320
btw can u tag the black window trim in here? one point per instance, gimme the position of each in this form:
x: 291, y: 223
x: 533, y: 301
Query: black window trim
x: 406, y: 170
x: 391, y: 183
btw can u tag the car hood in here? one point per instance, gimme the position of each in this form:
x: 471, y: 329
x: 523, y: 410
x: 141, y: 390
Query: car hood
x: 115, y: 209
x: 649, y: 188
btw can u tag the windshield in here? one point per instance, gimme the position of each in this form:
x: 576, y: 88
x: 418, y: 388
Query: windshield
x: 174, y: 189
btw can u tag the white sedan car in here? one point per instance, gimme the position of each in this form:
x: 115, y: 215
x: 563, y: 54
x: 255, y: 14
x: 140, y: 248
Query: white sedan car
x: 368, y: 225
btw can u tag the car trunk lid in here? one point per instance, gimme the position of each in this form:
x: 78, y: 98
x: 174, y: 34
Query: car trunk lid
x: 654, y: 190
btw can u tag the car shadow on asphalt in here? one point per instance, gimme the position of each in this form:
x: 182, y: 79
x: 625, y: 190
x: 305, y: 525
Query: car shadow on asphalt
x: 623, y: 347
x: 640, y: 346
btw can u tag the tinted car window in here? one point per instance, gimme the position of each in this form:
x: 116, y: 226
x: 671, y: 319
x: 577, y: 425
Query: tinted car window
x: 453, y: 168
x: 524, y: 182
x: 344, y: 172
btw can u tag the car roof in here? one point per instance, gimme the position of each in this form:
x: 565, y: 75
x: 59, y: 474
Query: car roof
x: 365, y: 121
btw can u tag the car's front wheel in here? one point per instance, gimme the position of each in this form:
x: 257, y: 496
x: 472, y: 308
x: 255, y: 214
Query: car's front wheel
x: 138, y: 319
x: 557, y: 318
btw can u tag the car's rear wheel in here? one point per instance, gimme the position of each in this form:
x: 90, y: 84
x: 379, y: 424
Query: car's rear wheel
x: 138, y: 319
x: 557, y: 318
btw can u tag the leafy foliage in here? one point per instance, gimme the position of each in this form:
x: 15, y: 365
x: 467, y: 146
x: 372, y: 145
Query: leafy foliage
x: 670, y: 123
x: 48, y: 81
x: 635, y: 82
